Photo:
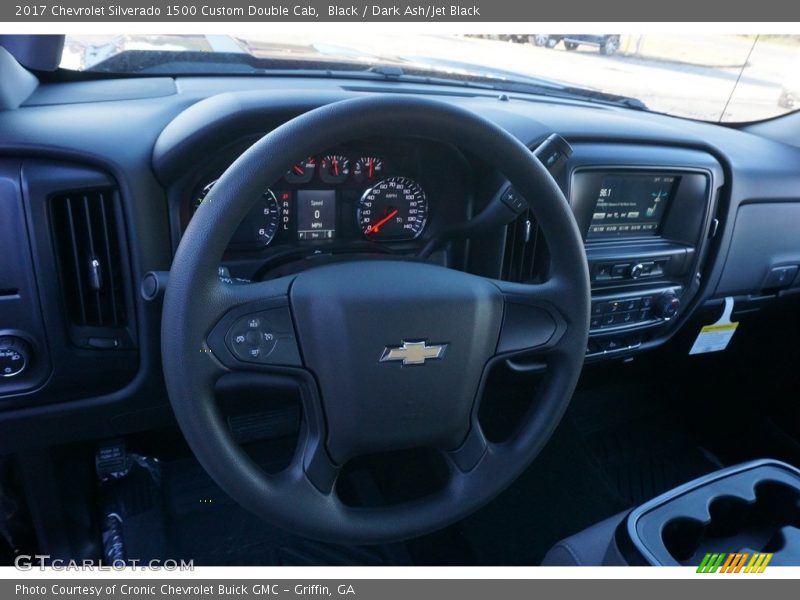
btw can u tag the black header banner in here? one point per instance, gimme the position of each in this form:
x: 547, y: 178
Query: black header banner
x: 477, y: 11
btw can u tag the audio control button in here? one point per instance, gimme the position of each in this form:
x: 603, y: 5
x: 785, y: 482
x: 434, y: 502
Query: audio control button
x: 667, y: 305
x: 602, y: 271
x: 611, y: 344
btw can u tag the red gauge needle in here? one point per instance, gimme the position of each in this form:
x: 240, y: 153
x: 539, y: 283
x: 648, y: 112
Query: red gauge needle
x: 298, y: 170
x: 375, y: 227
x: 371, y: 170
x: 335, y: 165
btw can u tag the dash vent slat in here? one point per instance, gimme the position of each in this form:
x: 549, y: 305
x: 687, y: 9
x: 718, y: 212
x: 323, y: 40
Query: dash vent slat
x: 523, y: 257
x: 87, y: 243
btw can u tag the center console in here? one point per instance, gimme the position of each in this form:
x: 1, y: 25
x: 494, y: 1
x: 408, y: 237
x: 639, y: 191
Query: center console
x: 645, y: 228
x: 751, y: 510
x: 735, y: 520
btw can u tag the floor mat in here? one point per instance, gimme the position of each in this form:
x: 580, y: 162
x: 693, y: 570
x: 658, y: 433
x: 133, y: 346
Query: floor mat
x: 645, y: 459
x: 636, y: 435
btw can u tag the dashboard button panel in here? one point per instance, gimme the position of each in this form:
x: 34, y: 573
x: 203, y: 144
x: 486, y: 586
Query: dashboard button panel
x: 614, y: 271
x: 612, y: 345
x: 632, y: 310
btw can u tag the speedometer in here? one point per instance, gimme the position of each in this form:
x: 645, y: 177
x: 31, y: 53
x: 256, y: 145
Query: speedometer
x: 393, y: 209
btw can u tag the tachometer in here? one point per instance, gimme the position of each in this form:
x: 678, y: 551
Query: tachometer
x: 259, y: 226
x: 393, y: 209
x: 302, y: 172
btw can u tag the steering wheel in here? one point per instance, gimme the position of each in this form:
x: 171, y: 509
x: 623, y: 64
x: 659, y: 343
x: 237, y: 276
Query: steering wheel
x: 389, y: 354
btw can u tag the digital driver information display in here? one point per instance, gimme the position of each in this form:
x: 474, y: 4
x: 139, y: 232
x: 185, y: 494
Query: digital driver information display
x: 631, y: 204
x: 316, y: 214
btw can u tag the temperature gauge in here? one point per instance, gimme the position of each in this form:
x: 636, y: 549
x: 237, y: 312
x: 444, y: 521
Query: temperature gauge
x: 368, y: 169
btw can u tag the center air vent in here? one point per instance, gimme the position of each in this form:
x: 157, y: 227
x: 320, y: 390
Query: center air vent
x: 87, y: 242
x: 524, y: 256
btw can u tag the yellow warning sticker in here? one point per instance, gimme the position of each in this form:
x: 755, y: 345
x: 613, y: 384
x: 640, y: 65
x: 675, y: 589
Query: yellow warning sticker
x: 717, y: 336
x: 718, y: 327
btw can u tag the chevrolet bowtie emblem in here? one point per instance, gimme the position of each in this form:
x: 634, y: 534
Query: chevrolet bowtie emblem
x: 413, y: 353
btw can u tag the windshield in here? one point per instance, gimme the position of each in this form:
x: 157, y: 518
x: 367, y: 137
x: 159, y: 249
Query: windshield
x: 721, y: 78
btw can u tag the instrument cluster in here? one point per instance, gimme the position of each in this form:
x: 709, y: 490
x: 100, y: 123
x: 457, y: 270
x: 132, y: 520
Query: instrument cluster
x: 338, y: 195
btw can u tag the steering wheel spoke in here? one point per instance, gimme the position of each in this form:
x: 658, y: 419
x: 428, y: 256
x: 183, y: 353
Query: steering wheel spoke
x: 534, y: 319
x: 470, y: 453
x: 318, y: 467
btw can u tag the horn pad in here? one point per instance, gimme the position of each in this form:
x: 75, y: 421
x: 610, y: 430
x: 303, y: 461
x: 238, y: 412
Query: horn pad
x: 398, y: 350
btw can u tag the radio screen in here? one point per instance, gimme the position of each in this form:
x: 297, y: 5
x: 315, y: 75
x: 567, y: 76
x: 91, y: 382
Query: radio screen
x: 316, y: 214
x: 631, y: 205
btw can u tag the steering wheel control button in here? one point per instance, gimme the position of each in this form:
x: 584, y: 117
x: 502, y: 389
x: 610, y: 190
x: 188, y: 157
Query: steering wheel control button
x: 514, y: 201
x: 265, y: 337
x: 14, y: 356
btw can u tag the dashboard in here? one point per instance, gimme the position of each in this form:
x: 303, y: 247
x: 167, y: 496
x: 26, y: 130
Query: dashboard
x: 675, y: 214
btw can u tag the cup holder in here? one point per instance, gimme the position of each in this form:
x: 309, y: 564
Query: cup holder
x: 734, y: 524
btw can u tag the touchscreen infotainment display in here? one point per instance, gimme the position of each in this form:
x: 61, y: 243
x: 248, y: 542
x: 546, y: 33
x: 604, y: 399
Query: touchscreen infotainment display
x: 631, y: 204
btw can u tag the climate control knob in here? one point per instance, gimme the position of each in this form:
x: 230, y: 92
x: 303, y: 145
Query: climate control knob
x: 667, y: 305
x: 15, y: 355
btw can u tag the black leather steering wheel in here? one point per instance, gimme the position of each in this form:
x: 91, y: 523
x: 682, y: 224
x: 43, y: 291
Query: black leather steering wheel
x: 333, y: 328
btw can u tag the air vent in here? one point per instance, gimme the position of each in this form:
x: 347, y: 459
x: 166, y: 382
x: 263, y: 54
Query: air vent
x: 524, y: 254
x: 87, y: 240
